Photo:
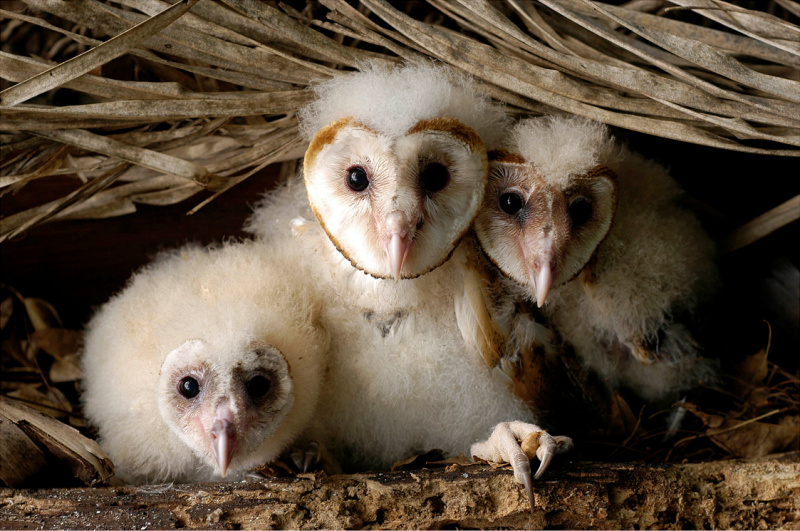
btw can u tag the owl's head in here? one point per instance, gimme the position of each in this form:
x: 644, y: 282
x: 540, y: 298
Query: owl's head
x: 222, y: 406
x: 550, y: 201
x: 397, y: 167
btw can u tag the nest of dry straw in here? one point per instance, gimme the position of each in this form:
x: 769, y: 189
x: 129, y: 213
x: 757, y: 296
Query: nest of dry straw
x: 170, y: 98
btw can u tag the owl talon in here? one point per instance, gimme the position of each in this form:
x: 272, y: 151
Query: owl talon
x: 545, y: 453
x: 522, y: 474
x: 305, y: 458
x: 516, y: 443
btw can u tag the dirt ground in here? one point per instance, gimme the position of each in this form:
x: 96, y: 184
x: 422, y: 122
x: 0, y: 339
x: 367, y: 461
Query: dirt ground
x: 761, y: 493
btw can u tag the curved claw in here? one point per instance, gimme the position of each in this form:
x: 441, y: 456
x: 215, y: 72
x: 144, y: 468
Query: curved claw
x: 255, y: 474
x: 549, y: 446
x: 311, y: 456
x: 522, y: 473
x: 545, y: 453
x: 517, y: 443
x: 304, y: 459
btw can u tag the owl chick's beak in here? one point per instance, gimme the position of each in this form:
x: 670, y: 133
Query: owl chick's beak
x: 539, y: 258
x: 397, y: 240
x: 223, y: 435
x: 541, y: 280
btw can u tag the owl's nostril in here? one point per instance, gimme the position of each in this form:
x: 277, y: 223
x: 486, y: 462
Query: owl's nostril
x: 396, y: 223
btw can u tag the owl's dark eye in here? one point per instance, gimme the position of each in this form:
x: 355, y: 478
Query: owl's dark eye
x: 580, y: 211
x: 258, y: 386
x: 357, y: 179
x: 511, y: 203
x: 434, y: 177
x: 189, y: 387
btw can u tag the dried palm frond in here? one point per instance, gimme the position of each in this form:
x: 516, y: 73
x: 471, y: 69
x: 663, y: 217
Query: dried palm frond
x: 177, y: 97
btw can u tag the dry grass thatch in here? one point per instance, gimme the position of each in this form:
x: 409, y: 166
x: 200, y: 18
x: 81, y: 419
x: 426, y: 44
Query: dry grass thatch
x: 172, y: 98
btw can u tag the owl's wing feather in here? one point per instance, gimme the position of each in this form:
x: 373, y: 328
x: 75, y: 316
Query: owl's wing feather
x: 475, y: 320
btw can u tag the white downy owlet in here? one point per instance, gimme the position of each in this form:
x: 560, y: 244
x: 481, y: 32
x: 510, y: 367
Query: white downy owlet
x: 209, y: 362
x: 394, y: 174
x: 598, y: 233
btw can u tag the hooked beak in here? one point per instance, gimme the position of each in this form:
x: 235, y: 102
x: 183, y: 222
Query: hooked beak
x: 397, y: 241
x: 541, y: 280
x: 223, y: 434
x: 539, y: 259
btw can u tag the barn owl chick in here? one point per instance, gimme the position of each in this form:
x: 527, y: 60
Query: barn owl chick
x: 208, y: 363
x: 598, y: 233
x: 396, y: 168
x: 394, y: 173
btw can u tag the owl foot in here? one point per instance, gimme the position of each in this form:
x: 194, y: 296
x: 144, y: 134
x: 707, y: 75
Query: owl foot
x: 306, y: 457
x: 517, y: 443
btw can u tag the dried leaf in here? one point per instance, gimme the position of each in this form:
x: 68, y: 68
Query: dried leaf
x: 415, y: 462
x: 13, y: 348
x: 41, y: 313
x: 751, y: 372
x: 275, y: 469
x: 758, y: 438
x: 749, y: 438
x: 58, y: 342
x: 621, y: 418
x: 51, y: 402
x: 6, y: 309
x: 66, y: 369
x: 302, y: 36
x: 455, y: 461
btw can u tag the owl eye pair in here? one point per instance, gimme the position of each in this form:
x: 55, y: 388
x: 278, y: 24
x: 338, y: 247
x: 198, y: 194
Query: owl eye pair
x: 257, y: 387
x: 580, y: 209
x: 433, y: 177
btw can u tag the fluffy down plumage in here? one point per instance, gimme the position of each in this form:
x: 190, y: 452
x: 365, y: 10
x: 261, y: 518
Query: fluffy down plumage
x: 401, y: 378
x: 229, y: 317
x: 644, y: 265
x: 392, y: 100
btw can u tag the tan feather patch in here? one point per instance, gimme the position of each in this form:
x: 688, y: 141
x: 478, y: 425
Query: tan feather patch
x: 503, y: 155
x: 325, y: 136
x: 485, y: 333
x: 453, y: 127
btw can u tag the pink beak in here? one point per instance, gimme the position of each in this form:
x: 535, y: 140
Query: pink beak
x: 398, y: 243
x: 223, y: 434
x: 539, y: 258
x: 541, y: 282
